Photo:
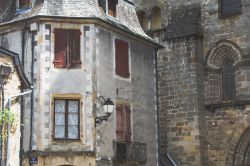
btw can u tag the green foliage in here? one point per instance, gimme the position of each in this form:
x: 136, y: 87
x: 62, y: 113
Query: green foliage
x: 6, y: 117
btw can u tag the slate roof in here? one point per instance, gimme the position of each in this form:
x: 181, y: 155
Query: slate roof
x: 24, y: 81
x: 126, y: 18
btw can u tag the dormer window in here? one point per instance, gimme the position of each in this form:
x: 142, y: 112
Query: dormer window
x: 108, y: 6
x: 24, y: 3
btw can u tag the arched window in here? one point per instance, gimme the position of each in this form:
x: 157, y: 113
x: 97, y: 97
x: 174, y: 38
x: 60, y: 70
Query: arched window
x: 142, y: 19
x: 228, y: 80
x: 156, y: 18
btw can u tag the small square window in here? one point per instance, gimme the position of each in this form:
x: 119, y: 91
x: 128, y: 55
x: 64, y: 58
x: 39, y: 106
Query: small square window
x: 66, y: 119
x: 67, y: 48
x: 122, y: 58
x: 230, y: 7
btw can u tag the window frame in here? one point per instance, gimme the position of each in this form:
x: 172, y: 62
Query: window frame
x: 66, y: 119
x: 68, y: 62
x: 126, y: 78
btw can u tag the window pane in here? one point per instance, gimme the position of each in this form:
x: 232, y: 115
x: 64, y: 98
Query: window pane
x: 60, y: 106
x: 59, y: 119
x: 73, y: 107
x: 59, y: 131
x: 73, y: 132
x: 73, y: 119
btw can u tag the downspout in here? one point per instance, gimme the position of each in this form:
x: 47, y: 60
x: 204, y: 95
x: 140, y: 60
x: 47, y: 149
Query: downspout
x: 22, y: 100
x: 157, y: 106
x: 1, y: 125
x: 32, y: 94
x: 8, y: 135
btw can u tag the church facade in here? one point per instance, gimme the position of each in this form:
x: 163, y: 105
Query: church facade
x: 203, y: 79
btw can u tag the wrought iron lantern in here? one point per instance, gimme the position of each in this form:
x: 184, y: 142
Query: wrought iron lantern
x: 108, y: 107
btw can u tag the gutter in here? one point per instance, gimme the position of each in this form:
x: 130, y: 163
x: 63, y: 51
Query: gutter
x: 8, y: 135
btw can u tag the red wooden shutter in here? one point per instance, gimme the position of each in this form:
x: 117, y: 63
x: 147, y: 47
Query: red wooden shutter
x: 125, y: 60
x: 118, y: 57
x: 122, y: 58
x: 119, y: 123
x: 128, y: 124
x: 60, y: 48
x: 24, y: 3
x: 74, y: 54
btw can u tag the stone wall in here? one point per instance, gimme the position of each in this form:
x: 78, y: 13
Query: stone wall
x: 226, y: 121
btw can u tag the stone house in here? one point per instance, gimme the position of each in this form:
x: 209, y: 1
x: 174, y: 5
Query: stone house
x: 13, y: 83
x: 74, y: 53
x: 203, y: 80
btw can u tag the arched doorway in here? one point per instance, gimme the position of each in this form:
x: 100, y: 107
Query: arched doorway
x: 238, y: 148
x: 242, y: 152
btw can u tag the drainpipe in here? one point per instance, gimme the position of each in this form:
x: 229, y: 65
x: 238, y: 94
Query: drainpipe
x: 32, y: 94
x: 8, y: 131
x: 1, y: 126
x: 157, y: 105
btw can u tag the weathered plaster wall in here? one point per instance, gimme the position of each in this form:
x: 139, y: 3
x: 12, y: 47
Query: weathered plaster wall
x: 138, y: 90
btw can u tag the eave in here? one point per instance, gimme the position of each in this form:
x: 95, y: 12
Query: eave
x: 107, y: 24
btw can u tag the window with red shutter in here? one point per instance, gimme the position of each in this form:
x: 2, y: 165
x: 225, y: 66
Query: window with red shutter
x: 128, y: 132
x: 67, y: 48
x: 24, y: 3
x: 123, y: 123
x: 122, y: 58
x: 230, y: 7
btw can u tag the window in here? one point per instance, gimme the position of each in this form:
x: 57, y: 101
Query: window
x: 112, y: 7
x: 142, y: 19
x: 108, y: 6
x: 121, y: 58
x: 66, y: 119
x: 123, y: 123
x: 230, y: 7
x: 24, y: 3
x: 228, y: 80
x: 67, y: 48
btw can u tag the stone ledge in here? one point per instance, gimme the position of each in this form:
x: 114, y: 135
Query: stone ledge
x: 212, y: 106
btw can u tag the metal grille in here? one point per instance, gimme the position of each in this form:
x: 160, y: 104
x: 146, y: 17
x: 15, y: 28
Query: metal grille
x: 133, y: 152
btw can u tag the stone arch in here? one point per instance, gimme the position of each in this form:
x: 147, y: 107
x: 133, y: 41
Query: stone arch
x: 238, y: 146
x: 222, y: 49
x: 141, y: 14
x: 156, y: 20
x: 215, y: 88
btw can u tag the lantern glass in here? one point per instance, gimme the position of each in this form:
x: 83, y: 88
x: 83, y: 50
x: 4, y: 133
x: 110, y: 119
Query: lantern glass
x: 108, y: 106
